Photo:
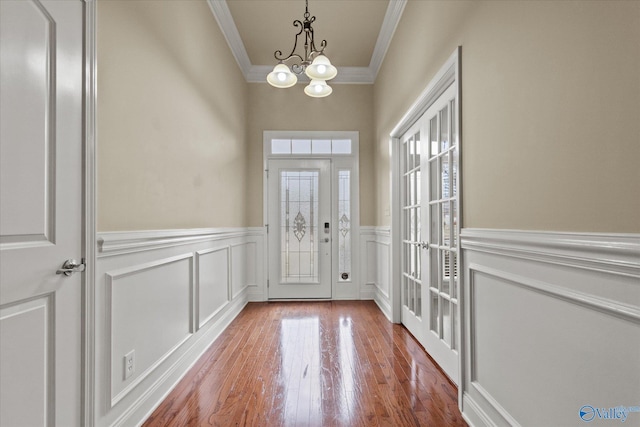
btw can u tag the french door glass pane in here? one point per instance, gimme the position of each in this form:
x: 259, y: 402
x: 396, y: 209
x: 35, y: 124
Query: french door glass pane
x: 299, y: 226
x: 433, y: 136
x: 445, y: 223
x: 446, y: 320
x: 444, y: 171
x: 434, y: 321
x: 444, y: 128
x: 434, y: 223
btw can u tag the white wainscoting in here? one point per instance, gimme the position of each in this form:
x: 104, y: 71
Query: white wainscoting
x: 375, y: 250
x: 551, y: 324
x: 166, y: 295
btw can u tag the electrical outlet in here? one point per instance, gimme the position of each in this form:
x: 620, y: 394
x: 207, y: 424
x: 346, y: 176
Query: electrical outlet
x: 129, y: 364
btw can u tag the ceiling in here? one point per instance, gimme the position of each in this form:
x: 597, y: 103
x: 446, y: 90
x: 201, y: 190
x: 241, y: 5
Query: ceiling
x: 357, y: 32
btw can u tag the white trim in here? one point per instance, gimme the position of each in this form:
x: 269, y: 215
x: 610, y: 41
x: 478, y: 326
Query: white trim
x: 447, y: 74
x: 118, y: 243
x: 88, y: 336
x: 223, y: 16
x: 611, y: 253
x: 557, y: 266
x: 346, y: 75
x: 134, y: 415
x: 389, y: 25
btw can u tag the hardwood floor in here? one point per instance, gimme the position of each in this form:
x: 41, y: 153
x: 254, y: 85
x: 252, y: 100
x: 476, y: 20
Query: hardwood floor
x: 312, y: 364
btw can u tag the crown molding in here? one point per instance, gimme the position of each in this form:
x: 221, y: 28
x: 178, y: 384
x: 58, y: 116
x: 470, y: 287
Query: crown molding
x: 228, y: 27
x: 346, y: 75
x: 388, y: 28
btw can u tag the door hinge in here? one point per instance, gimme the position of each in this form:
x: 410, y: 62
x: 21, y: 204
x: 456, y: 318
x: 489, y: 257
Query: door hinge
x: 267, y: 283
x: 267, y: 225
x: 267, y: 172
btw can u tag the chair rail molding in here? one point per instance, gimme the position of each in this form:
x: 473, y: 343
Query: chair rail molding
x: 548, y: 316
x: 165, y: 295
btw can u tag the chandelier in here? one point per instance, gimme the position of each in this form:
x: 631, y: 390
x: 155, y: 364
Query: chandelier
x: 314, y: 63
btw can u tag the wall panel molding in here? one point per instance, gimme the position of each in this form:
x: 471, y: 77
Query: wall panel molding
x: 545, y: 308
x: 375, y: 273
x: 190, y: 284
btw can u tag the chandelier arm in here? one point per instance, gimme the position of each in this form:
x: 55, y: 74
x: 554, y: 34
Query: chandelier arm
x: 278, y: 54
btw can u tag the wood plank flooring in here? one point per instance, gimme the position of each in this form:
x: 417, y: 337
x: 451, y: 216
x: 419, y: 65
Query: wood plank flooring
x: 312, y: 364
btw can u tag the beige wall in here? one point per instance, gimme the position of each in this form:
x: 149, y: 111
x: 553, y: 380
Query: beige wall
x: 171, y: 119
x: 551, y: 109
x: 349, y: 108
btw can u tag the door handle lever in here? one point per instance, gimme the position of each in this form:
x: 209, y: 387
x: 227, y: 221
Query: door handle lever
x: 71, y: 266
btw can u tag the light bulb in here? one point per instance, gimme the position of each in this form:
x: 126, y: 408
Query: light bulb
x: 318, y: 88
x: 282, y: 77
x: 322, y: 68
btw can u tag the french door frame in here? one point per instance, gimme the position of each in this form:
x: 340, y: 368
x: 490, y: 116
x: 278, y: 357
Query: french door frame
x: 449, y: 74
x: 340, y: 289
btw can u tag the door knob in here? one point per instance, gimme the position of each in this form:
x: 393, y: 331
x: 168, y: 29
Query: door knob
x: 71, y: 266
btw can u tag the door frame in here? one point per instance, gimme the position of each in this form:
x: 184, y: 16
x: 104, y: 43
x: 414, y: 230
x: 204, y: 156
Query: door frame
x: 448, y: 74
x: 89, y: 198
x: 339, y: 290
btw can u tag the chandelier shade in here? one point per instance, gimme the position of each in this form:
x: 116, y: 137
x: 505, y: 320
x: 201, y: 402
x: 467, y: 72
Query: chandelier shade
x: 318, y: 89
x: 312, y: 61
x: 282, y: 77
x: 321, y: 69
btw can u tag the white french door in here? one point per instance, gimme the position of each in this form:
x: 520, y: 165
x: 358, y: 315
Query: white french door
x: 440, y: 206
x: 412, y: 294
x: 430, y: 223
x: 300, y: 228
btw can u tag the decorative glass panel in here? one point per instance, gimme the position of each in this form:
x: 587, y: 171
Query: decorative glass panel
x: 341, y: 146
x: 281, y: 146
x: 299, y: 225
x: 418, y: 310
x: 344, y: 224
x: 301, y: 146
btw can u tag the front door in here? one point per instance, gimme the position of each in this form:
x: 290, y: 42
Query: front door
x: 41, y: 68
x: 299, y: 234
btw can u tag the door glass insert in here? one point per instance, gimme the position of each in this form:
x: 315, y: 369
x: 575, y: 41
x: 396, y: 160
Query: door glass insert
x: 344, y: 225
x: 299, y: 226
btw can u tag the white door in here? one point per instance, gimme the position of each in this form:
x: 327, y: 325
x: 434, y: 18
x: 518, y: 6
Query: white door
x: 440, y: 209
x: 412, y: 292
x: 299, y: 234
x: 41, y: 61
